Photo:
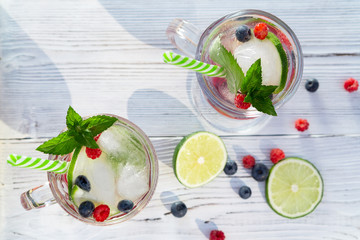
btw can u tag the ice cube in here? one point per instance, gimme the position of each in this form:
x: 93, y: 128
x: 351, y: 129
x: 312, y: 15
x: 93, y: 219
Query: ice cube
x: 103, y: 181
x: 271, y: 63
x: 122, y: 145
x: 229, y: 41
x: 102, y: 177
x: 111, y: 142
x: 133, y: 182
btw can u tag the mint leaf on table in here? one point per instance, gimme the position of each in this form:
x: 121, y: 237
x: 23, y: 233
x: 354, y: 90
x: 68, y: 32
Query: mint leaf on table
x: 63, y: 144
x: 234, y: 73
x: 80, y: 133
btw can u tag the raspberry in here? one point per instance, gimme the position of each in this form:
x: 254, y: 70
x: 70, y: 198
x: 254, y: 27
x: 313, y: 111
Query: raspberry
x: 261, y: 31
x: 351, y: 85
x: 101, y: 213
x: 97, y: 137
x: 301, y: 124
x: 217, y: 235
x: 239, y: 101
x: 276, y: 155
x: 93, y: 153
x: 248, y: 161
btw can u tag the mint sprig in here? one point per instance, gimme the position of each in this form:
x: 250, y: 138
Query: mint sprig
x: 256, y: 94
x: 234, y: 73
x: 62, y: 144
x: 80, y: 133
x: 250, y: 84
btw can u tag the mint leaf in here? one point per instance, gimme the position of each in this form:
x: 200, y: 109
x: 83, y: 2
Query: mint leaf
x: 260, y: 99
x: 80, y: 133
x: 264, y: 105
x: 73, y: 119
x: 63, y: 144
x: 253, y: 77
x: 257, y: 94
x: 234, y: 73
x: 85, y: 138
x: 98, y: 124
x: 266, y: 91
x: 251, y: 84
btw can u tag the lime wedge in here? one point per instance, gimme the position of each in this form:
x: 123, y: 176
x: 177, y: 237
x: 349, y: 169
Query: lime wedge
x: 71, y: 168
x: 294, y: 188
x: 274, y: 62
x: 199, y: 158
x: 284, y: 62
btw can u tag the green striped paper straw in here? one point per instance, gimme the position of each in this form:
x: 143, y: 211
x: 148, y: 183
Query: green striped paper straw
x: 38, y: 163
x: 192, y: 64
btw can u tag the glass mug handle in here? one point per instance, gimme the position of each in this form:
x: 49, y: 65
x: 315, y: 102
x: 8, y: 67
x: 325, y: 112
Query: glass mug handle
x: 184, y: 36
x: 38, y: 197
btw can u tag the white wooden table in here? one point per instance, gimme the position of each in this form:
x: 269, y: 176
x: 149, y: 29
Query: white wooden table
x: 105, y: 56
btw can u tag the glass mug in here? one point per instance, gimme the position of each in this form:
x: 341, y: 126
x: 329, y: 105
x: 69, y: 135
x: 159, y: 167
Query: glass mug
x: 206, y: 97
x: 56, y: 190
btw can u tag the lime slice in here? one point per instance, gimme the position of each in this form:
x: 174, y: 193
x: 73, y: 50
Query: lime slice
x: 71, y: 168
x: 273, y: 59
x: 294, y: 188
x: 199, y: 158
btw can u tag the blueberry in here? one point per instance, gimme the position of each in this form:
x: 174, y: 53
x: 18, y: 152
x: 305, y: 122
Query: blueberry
x: 312, y: 85
x: 260, y: 172
x: 178, y: 209
x: 230, y: 168
x: 245, y: 192
x: 83, y: 183
x: 243, y: 33
x: 86, y: 209
x: 125, y: 206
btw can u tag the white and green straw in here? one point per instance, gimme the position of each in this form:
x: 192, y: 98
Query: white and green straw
x: 55, y: 166
x: 192, y: 64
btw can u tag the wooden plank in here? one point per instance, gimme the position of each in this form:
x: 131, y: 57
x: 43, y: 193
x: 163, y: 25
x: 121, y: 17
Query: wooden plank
x: 216, y: 205
x: 105, y: 56
x: 47, y: 61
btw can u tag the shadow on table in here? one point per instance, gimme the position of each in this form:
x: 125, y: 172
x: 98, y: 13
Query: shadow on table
x: 157, y: 113
x: 33, y: 94
x: 236, y: 183
x: 168, y: 198
x: 206, y: 227
x: 354, y: 101
x: 149, y: 22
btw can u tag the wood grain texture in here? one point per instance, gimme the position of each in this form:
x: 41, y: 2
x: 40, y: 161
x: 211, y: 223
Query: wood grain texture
x: 104, y: 56
x: 216, y: 205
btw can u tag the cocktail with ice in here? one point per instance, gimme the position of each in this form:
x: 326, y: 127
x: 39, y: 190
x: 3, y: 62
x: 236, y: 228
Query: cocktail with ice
x: 102, y: 170
x: 111, y: 181
x: 262, y: 67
